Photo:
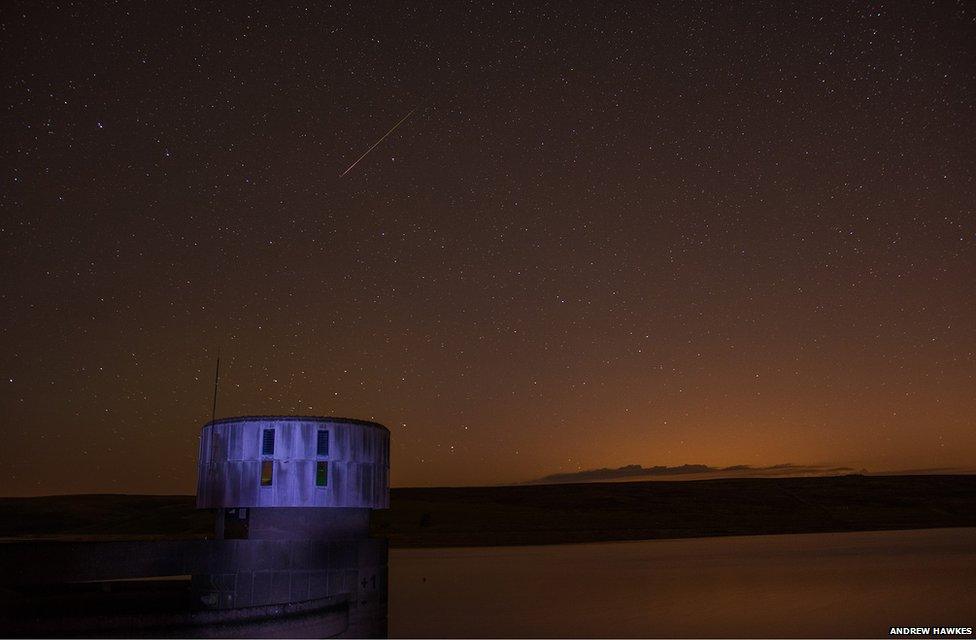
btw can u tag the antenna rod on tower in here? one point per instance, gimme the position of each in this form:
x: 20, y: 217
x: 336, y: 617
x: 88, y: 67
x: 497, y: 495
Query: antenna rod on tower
x: 213, y: 413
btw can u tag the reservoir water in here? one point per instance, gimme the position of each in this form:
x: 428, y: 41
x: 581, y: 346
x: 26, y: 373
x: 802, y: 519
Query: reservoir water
x: 853, y: 585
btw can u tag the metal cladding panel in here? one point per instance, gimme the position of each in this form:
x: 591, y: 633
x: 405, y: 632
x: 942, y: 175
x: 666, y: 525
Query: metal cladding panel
x: 232, y: 481
x: 250, y: 479
x: 297, y: 438
x: 362, y: 478
x: 305, y: 439
x: 233, y: 439
x: 250, y: 446
x: 337, y: 482
x: 354, y: 482
x: 304, y: 472
x: 281, y: 481
x: 216, y: 436
x: 265, y: 497
x: 229, y: 473
x: 286, y: 482
x: 340, y: 441
x: 216, y: 480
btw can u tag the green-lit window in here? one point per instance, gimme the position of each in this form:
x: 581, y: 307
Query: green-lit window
x: 267, y: 473
x: 321, y: 473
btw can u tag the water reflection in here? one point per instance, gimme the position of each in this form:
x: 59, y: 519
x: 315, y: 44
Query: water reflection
x: 814, y: 585
x: 853, y: 585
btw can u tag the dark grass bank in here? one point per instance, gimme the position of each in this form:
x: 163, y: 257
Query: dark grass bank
x: 552, y: 514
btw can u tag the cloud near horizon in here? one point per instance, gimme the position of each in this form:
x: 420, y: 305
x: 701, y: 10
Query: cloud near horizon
x: 636, y: 471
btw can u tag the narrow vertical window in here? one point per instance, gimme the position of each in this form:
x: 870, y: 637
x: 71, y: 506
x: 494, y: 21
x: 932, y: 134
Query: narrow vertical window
x: 322, y: 445
x: 321, y: 473
x: 267, y: 443
x: 267, y: 473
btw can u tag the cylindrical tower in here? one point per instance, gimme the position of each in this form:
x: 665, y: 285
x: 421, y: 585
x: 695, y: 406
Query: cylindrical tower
x: 293, y: 477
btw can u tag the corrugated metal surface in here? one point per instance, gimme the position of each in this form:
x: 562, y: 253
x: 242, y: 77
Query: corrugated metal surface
x: 229, y: 471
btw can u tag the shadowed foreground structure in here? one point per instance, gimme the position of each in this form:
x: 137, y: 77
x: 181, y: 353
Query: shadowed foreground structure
x: 546, y: 514
x: 153, y: 588
x: 289, y: 498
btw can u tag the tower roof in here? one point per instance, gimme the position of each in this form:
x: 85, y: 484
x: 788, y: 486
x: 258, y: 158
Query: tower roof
x: 293, y: 418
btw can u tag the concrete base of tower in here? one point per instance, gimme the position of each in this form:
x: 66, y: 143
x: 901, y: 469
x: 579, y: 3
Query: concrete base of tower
x: 292, y: 523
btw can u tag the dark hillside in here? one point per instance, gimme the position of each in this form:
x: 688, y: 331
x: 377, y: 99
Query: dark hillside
x: 642, y: 510
x: 547, y: 514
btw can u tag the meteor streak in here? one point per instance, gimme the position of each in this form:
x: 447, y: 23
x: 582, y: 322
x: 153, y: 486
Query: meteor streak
x: 392, y: 129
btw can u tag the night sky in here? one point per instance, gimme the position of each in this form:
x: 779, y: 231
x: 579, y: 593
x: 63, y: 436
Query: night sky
x: 606, y: 234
